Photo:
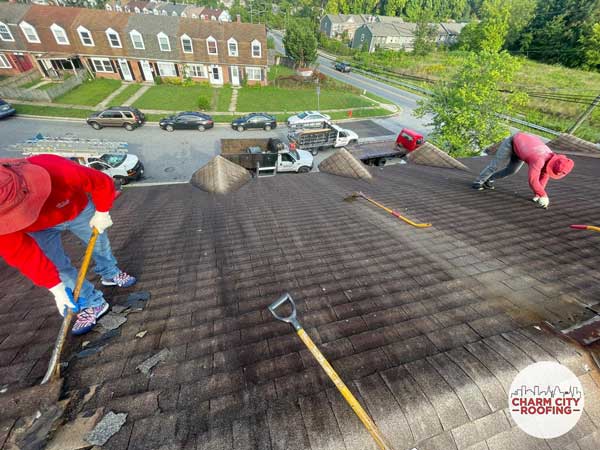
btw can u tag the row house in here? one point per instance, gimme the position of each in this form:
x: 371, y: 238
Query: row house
x: 130, y: 47
x: 168, y: 9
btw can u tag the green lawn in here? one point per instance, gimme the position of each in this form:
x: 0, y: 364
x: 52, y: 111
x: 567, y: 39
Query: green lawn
x: 90, y: 93
x: 47, y: 86
x: 125, y: 94
x: 359, y: 113
x: 51, y: 111
x: 183, y: 98
x: 30, y: 84
x: 379, y: 99
x: 279, y: 71
x: 270, y: 98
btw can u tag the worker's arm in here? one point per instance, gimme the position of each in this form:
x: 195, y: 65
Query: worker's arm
x: 536, y: 179
x: 99, y: 185
x: 21, y: 251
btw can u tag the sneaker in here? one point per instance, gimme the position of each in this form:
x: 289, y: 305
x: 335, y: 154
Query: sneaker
x: 100, y: 310
x: 122, y: 279
x: 86, y: 320
x: 478, y: 186
x: 489, y: 185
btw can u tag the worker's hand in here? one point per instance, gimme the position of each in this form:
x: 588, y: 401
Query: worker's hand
x: 63, y: 298
x: 536, y: 199
x: 101, y: 221
x: 544, y: 202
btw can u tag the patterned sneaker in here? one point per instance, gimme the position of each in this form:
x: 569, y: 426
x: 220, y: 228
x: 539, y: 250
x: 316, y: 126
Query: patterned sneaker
x: 86, y: 320
x: 489, y: 185
x: 477, y: 186
x: 100, y: 310
x: 122, y: 279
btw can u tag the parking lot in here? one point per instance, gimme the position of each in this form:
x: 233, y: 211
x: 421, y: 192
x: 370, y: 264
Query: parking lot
x: 168, y: 157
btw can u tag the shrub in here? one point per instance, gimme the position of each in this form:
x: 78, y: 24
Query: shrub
x: 203, y: 103
x: 158, y: 80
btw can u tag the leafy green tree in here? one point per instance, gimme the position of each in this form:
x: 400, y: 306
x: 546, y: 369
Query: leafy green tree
x: 591, y: 44
x: 467, y: 110
x: 300, y: 43
x: 490, y: 33
x: 521, y: 13
x: 425, y: 33
x: 393, y: 7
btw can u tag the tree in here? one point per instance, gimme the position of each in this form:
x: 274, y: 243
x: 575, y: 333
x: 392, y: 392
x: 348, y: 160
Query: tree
x: 467, y: 110
x: 393, y: 7
x: 425, y: 33
x: 490, y: 33
x: 300, y: 43
x: 591, y: 44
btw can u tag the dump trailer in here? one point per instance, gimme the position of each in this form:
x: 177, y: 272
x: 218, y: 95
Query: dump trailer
x: 264, y: 154
x: 314, y: 140
x: 377, y: 153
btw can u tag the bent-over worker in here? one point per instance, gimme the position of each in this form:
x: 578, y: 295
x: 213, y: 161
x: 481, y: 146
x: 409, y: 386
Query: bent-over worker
x: 525, y: 148
x: 42, y: 196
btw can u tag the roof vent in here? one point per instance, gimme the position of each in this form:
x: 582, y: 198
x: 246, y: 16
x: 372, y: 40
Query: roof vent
x: 220, y: 176
x: 344, y: 164
x: 429, y: 155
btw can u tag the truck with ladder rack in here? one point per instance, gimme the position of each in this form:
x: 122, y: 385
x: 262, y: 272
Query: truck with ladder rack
x: 109, y: 157
x: 325, y: 136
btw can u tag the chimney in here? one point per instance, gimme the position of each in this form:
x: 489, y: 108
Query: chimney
x: 238, y: 18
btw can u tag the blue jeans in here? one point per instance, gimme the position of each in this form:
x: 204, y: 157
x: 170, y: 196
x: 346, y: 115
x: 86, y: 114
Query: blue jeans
x: 50, y: 242
x: 504, y: 155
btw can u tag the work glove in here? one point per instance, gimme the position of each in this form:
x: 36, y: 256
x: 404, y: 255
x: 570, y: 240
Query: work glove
x: 544, y: 202
x: 101, y: 221
x: 64, y: 298
x: 536, y: 199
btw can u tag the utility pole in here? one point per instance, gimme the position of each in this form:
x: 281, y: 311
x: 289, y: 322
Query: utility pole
x: 584, y: 116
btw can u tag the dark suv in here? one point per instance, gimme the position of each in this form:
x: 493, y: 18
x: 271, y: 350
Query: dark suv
x: 342, y: 67
x: 188, y: 120
x: 254, y: 120
x: 117, y: 116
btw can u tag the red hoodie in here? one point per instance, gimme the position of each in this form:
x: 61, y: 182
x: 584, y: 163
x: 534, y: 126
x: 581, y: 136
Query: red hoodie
x: 71, y: 184
x: 533, y: 151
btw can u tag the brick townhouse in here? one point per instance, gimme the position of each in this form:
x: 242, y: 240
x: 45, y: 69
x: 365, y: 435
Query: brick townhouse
x: 130, y: 47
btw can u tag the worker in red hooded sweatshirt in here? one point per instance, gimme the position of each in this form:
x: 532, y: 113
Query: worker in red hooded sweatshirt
x: 42, y: 196
x: 525, y: 148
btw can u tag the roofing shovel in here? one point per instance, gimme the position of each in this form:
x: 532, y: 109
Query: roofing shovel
x: 360, y: 412
x: 53, y: 371
x: 356, y: 195
x: 586, y: 227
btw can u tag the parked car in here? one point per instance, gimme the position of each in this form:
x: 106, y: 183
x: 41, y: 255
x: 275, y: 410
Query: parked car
x: 342, y: 67
x: 254, y: 120
x: 6, y: 109
x: 188, y: 120
x: 117, y: 116
x: 307, y: 117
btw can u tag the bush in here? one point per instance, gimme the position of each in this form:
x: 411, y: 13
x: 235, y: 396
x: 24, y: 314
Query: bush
x: 173, y: 81
x: 158, y: 80
x: 203, y: 103
x: 335, y: 46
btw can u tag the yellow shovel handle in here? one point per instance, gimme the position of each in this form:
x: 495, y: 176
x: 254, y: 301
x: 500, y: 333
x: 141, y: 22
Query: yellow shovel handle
x: 396, y: 214
x: 360, y: 412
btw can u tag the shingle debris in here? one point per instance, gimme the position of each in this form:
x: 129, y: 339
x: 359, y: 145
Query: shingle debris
x: 106, y: 428
x: 148, y: 364
x: 112, y: 321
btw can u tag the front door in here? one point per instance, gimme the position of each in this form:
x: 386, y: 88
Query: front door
x: 216, y: 77
x: 147, y: 71
x: 235, y: 75
x: 126, y: 73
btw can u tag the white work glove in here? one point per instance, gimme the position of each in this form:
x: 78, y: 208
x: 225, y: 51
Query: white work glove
x: 101, y: 221
x: 536, y: 199
x: 544, y: 202
x: 62, y: 298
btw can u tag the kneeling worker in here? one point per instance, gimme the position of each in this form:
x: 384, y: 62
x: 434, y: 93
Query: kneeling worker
x: 524, y: 148
x: 42, y: 196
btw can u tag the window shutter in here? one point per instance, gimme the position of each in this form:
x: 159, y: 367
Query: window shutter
x: 91, y: 64
x: 176, y: 68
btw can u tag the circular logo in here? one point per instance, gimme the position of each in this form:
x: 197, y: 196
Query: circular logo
x: 546, y: 400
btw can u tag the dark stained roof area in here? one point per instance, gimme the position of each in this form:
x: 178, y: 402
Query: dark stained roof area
x: 427, y: 327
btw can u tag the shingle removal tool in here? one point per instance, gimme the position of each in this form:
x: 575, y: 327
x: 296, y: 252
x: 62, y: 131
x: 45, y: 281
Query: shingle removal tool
x: 53, y: 372
x: 586, y: 227
x: 305, y: 338
x: 356, y: 195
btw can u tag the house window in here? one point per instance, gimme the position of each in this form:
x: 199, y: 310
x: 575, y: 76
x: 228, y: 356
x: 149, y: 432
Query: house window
x: 59, y: 34
x: 30, y: 33
x: 108, y: 8
x: 163, y: 12
x: 186, y: 44
x: 4, y: 64
x: 174, y: 14
x: 113, y: 38
x: 232, y: 47
x: 118, y: 8
x: 166, y: 69
x: 183, y: 14
x: 163, y: 42
x: 256, y: 49
x: 102, y: 65
x: 254, y: 73
x: 136, y: 40
x: 211, y: 45
x: 137, y: 10
x: 86, y: 36
x: 196, y: 71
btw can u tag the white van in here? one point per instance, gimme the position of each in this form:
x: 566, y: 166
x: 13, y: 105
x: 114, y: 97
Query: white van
x: 122, y: 167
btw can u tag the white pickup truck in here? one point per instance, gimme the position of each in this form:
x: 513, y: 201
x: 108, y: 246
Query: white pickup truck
x: 316, y: 139
x: 261, y: 153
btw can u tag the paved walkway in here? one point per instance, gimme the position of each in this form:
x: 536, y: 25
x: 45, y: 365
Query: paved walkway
x: 233, y: 102
x: 104, y: 103
x: 137, y: 95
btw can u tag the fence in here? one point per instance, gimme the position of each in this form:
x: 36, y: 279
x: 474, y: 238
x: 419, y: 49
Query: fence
x: 13, y: 92
x: 20, y: 79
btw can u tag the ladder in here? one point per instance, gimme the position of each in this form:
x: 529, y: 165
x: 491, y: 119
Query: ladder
x: 71, y: 145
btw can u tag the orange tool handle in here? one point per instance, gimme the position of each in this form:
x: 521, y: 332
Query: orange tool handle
x: 397, y: 214
x: 586, y: 227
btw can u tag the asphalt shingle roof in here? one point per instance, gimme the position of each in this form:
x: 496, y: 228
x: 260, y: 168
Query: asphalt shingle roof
x: 426, y: 326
